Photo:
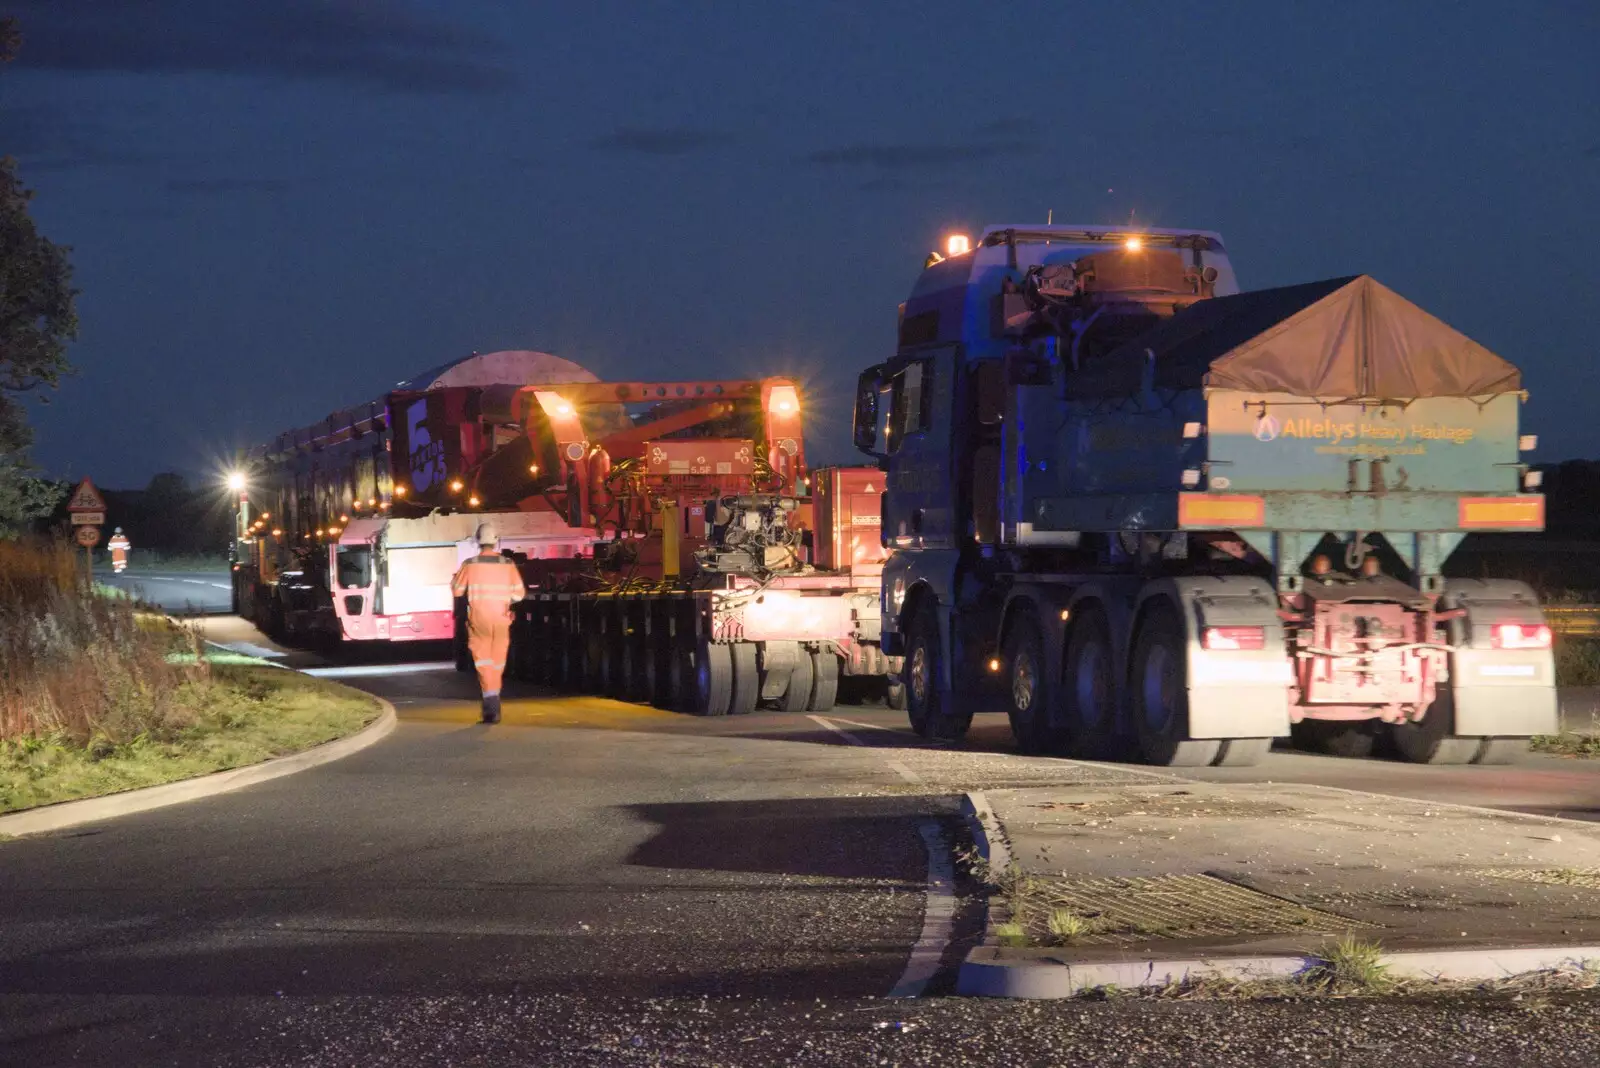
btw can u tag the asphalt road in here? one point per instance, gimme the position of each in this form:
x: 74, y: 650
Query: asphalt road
x: 179, y: 592
x: 595, y: 883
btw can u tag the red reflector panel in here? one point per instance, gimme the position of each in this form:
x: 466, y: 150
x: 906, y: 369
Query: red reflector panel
x: 1219, y: 638
x: 1222, y: 511
x: 1501, y: 513
x: 1520, y: 636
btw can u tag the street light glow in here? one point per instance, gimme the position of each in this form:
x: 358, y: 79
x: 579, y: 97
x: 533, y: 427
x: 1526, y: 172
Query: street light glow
x: 236, y: 480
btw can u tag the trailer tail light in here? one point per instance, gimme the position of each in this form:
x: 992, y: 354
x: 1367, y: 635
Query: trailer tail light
x: 1233, y: 638
x: 1520, y: 636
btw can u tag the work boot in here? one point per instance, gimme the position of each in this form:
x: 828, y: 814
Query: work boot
x: 491, y: 708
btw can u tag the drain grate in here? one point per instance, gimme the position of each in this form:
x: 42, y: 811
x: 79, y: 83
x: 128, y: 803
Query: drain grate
x: 1172, y: 906
x: 1586, y: 877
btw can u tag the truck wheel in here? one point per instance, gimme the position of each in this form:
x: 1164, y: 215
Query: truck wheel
x: 1161, y: 696
x: 746, y: 690
x: 1243, y: 752
x: 1501, y: 750
x: 894, y: 695
x: 1028, y: 682
x: 797, y: 698
x: 709, y: 678
x: 1090, y: 685
x: 925, y: 700
x: 824, y: 681
x: 1429, y: 741
x: 1340, y: 738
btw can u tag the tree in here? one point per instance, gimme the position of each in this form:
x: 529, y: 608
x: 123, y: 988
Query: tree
x: 37, y: 320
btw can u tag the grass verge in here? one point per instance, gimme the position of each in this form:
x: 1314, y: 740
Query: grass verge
x: 244, y: 715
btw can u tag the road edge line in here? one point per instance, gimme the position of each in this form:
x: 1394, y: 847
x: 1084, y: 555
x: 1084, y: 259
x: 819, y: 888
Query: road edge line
x: 66, y: 814
x: 938, y: 916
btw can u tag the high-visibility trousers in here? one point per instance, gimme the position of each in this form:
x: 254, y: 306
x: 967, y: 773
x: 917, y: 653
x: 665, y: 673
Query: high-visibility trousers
x: 488, y: 640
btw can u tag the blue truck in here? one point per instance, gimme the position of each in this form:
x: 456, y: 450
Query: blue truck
x: 1153, y: 516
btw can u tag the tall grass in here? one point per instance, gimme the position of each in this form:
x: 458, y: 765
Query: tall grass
x: 83, y: 669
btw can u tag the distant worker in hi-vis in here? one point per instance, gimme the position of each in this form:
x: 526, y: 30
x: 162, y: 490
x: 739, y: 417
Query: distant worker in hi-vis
x: 491, y: 584
x: 119, y: 547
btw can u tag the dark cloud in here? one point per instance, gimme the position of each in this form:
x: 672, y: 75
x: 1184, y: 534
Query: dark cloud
x: 379, y: 45
x: 227, y: 185
x: 890, y: 157
x: 1011, y: 125
x: 47, y: 138
x: 664, y: 141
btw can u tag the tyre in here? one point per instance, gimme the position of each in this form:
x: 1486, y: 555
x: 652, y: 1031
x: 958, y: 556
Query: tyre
x: 926, y: 698
x: 797, y: 698
x: 824, y: 681
x: 1340, y: 738
x: 1089, y: 682
x: 1243, y: 752
x: 894, y: 695
x: 1028, y: 683
x: 746, y: 690
x: 1501, y: 751
x: 710, y: 679
x: 1429, y: 741
x: 1161, y: 695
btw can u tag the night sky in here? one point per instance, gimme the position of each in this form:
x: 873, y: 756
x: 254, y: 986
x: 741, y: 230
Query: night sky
x: 291, y: 206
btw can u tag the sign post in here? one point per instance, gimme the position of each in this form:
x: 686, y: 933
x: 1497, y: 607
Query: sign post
x: 88, y: 510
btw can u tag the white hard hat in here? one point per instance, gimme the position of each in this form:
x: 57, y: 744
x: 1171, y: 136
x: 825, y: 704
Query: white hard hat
x: 118, y: 530
x: 487, y: 535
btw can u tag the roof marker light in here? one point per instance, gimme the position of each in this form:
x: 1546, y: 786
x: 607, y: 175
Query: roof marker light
x: 957, y: 245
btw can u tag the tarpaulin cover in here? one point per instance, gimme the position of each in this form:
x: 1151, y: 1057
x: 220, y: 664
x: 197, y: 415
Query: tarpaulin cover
x: 1335, y: 339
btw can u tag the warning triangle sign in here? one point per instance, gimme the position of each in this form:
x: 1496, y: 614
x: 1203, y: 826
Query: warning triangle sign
x: 869, y: 489
x: 86, y: 499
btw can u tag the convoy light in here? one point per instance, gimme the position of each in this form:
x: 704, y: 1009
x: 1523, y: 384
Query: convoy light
x: 1191, y: 477
x: 957, y: 245
x: 356, y: 504
x: 472, y: 501
x: 277, y: 532
x: 994, y: 663
x: 783, y: 400
x: 455, y: 485
x: 1191, y: 431
x: 1233, y: 638
x: 1532, y: 479
x: 533, y: 469
x: 564, y: 409
x: 1520, y: 636
x: 384, y: 507
x: 1133, y: 244
x: 344, y: 519
x: 372, y: 502
x: 1528, y: 442
x: 319, y: 532
x: 1066, y: 614
x: 399, y: 491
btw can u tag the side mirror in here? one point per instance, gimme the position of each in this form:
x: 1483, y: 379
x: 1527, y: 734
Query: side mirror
x: 869, y: 390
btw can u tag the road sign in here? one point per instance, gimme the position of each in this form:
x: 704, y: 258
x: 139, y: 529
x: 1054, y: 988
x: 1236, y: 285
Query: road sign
x: 88, y: 519
x: 88, y: 537
x: 86, y: 499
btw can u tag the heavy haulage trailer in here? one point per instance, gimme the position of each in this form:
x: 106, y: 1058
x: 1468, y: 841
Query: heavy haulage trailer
x: 1187, y: 520
x: 675, y: 545
x: 347, y: 537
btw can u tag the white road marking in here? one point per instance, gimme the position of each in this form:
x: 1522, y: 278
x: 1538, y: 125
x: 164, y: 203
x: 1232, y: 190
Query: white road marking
x: 356, y: 671
x: 938, y: 916
x: 894, y: 765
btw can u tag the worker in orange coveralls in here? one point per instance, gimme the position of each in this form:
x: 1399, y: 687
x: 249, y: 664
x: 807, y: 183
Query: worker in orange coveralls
x: 119, y: 547
x: 491, y: 584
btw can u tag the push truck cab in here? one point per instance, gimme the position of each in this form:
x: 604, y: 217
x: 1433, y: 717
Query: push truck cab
x: 1149, y: 514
